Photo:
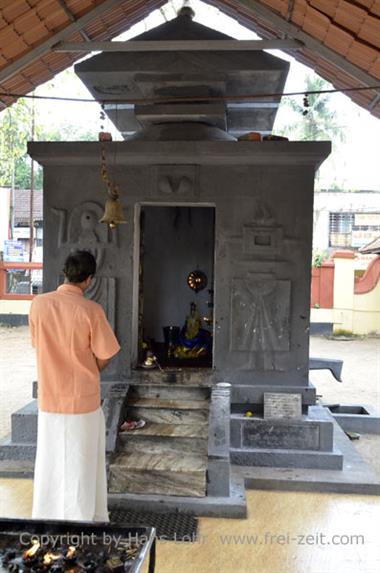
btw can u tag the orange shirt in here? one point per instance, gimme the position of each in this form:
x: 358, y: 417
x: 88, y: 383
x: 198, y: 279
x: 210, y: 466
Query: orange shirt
x: 69, y: 332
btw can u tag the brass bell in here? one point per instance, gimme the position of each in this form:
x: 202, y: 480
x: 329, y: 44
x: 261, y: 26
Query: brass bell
x: 113, y: 213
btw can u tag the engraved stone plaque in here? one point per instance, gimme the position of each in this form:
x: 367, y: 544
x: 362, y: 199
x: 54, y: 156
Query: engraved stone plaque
x: 284, y: 434
x: 281, y: 405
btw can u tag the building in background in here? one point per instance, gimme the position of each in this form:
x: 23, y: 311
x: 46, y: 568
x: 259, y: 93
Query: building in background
x: 15, y: 224
x: 344, y: 220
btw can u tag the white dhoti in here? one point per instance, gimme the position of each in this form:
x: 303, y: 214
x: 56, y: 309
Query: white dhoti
x: 70, y: 481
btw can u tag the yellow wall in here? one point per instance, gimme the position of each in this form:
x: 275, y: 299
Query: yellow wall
x: 366, y: 317
x: 15, y: 306
x: 343, y: 293
x: 356, y: 313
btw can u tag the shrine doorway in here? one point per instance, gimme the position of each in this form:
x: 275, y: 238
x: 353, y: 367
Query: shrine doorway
x: 176, y: 285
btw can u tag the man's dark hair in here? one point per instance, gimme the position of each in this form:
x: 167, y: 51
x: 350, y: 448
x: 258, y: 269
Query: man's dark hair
x: 79, y: 265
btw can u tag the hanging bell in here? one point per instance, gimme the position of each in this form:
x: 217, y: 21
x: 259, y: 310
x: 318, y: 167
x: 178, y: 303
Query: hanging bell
x: 113, y: 213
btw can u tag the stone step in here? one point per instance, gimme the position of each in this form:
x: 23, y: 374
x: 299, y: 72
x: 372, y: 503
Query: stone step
x: 168, y: 404
x: 16, y: 468
x: 168, y: 474
x: 171, y: 430
x: 10, y: 450
x: 169, y: 392
x: 167, y: 414
x: 24, y: 423
x: 174, y: 377
x: 129, y: 442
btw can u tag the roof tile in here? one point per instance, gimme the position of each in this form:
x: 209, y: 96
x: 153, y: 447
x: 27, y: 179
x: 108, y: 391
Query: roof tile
x: 3, y: 23
x: 14, y: 49
x: 375, y: 8
x: 26, y: 22
x: 328, y: 7
x: 349, y: 16
x: 316, y: 24
x: 370, y: 31
x: 22, y: 205
x: 14, y: 9
x: 34, y: 35
x: 374, y: 69
x: 362, y: 55
x: 338, y: 40
x: 7, y: 36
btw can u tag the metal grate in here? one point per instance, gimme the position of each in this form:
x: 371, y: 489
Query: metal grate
x: 169, y: 526
x: 352, y: 230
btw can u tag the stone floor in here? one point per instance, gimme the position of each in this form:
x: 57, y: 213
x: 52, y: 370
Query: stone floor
x: 284, y: 533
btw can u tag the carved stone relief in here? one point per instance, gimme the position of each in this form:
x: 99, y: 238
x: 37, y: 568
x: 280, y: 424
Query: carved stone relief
x: 261, y: 238
x: 80, y: 229
x: 260, y: 309
x: 176, y: 181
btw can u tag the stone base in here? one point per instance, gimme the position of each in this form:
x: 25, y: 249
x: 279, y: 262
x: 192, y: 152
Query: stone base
x: 24, y: 423
x: 287, y: 458
x: 17, y: 469
x: 232, y: 506
x: 14, y: 319
x: 10, y: 450
x: 356, y: 475
x: 297, y: 443
x: 356, y: 418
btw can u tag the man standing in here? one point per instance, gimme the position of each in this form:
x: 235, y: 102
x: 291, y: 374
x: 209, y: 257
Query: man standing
x: 74, y: 342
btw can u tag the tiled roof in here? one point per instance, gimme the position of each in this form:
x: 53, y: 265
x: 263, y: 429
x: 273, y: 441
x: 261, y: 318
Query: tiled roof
x: 341, y: 37
x: 22, y: 206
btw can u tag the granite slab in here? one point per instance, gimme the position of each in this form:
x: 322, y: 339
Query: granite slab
x: 129, y: 442
x: 175, y: 430
x: 188, y: 484
x: 167, y: 474
x: 168, y: 416
x: 169, y: 392
x: 169, y: 404
x: 167, y: 462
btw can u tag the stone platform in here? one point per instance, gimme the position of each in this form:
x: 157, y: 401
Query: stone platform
x: 356, y: 475
x: 307, y: 442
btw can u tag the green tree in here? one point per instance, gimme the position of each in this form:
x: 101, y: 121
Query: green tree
x: 320, y: 122
x: 15, y: 130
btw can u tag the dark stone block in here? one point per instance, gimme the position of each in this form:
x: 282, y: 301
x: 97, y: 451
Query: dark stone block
x: 289, y: 435
x: 14, y: 319
x: 287, y: 459
x: 24, y: 424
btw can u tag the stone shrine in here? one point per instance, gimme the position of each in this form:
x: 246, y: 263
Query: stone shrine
x: 195, y: 199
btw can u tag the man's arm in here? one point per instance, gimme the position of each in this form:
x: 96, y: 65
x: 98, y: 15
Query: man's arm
x: 104, y: 344
x: 32, y: 327
x: 102, y: 363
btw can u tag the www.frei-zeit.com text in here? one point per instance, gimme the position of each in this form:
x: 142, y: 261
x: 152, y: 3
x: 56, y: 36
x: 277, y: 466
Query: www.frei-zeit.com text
x: 266, y: 538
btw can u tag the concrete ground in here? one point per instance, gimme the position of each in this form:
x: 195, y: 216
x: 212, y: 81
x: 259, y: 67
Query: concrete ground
x: 286, y: 532
x: 361, y: 382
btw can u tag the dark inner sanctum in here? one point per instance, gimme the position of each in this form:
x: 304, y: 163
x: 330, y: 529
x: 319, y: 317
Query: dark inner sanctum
x: 176, y: 286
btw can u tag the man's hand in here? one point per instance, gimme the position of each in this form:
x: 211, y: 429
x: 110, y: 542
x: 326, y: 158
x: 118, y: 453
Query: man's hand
x: 102, y: 363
